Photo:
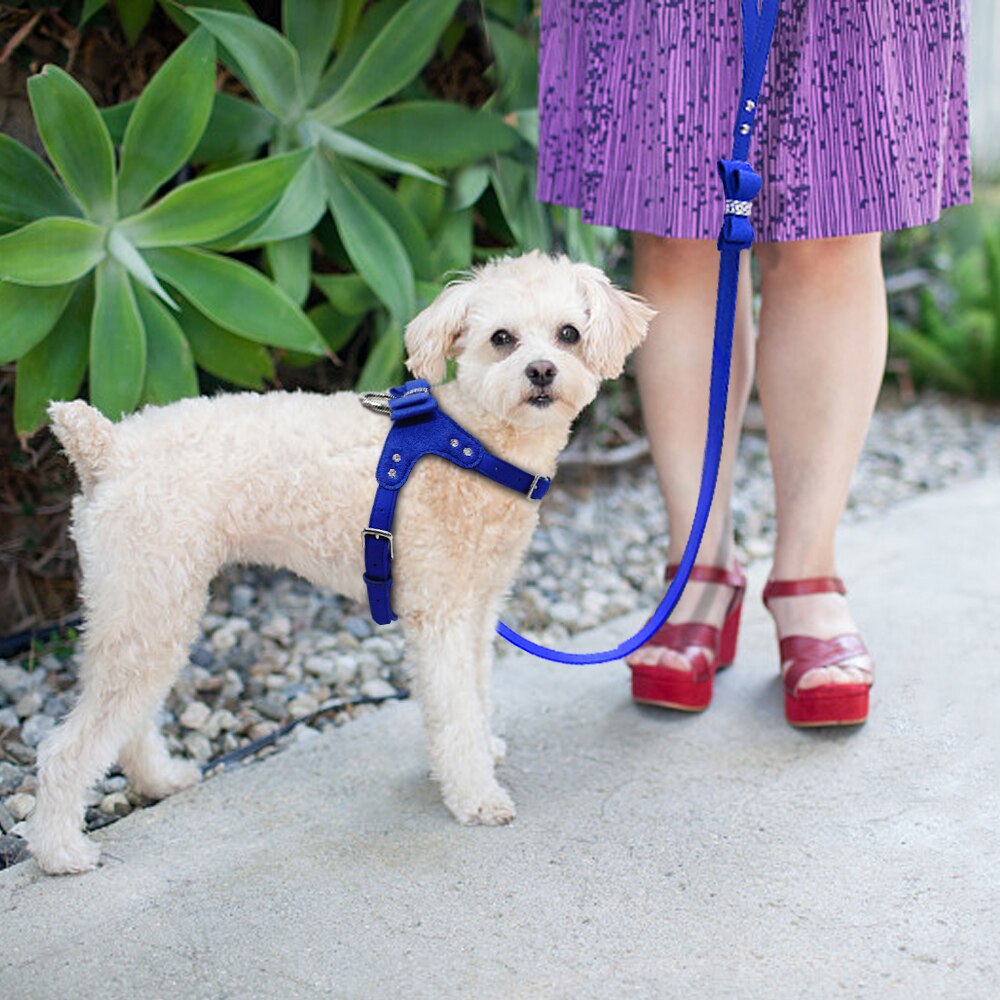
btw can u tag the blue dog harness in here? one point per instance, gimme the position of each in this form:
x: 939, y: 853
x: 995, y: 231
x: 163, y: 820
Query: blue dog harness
x: 420, y: 428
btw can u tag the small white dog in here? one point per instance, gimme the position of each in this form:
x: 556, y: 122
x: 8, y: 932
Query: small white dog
x: 172, y: 494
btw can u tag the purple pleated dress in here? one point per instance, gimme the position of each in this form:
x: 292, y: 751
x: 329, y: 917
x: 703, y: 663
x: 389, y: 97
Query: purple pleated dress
x: 863, y: 120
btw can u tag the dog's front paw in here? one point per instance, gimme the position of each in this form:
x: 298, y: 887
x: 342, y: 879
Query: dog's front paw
x: 68, y: 855
x: 496, y: 808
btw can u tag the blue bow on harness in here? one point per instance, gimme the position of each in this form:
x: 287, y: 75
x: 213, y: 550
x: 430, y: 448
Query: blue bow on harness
x: 419, y: 428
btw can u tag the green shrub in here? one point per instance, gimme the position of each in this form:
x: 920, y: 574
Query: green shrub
x: 956, y: 347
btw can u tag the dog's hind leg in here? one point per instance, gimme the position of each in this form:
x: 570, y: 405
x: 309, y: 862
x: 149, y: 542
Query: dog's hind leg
x: 134, y: 645
x: 150, y: 768
x: 449, y: 684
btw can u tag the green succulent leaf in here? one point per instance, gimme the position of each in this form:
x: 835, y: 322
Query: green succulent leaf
x: 27, y: 315
x: 468, y: 185
x: 384, y: 365
x: 90, y: 8
x: 133, y: 16
x: 398, y: 53
x: 346, y: 145
x: 133, y: 262
x: 371, y: 242
x: 76, y: 140
x: 434, y: 133
x: 267, y: 58
x: 336, y: 327
x: 386, y: 202
x: 311, y: 27
x: 514, y: 184
x: 212, y: 206
x: 355, y: 37
x: 28, y: 189
x: 51, y: 251
x: 55, y: 367
x: 289, y: 264
x: 170, y: 369
x: 224, y: 355
x: 453, y: 243
x: 167, y: 121
x: 117, y: 343
x: 298, y: 210
x: 236, y: 130
x: 238, y: 298
x: 348, y: 293
x: 426, y: 202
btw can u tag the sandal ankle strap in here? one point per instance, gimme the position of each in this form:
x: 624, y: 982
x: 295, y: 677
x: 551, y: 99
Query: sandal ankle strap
x: 711, y: 574
x: 798, y: 588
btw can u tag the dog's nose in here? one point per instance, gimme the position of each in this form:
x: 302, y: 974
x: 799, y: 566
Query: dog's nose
x: 541, y: 373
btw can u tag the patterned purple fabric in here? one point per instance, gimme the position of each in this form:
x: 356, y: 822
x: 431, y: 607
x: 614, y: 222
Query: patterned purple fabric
x: 863, y: 123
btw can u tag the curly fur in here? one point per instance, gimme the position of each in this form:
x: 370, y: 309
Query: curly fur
x: 172, y: 494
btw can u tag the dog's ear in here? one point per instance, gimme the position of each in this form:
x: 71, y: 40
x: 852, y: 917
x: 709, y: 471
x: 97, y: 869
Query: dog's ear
x: 618, y: 321
x: 431, y: 335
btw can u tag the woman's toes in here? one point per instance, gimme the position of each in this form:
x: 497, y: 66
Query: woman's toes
x: 819, y: 676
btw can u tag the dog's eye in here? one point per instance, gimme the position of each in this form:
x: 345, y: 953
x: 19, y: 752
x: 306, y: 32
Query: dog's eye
x: 569, y: 334
x: 502, y: 338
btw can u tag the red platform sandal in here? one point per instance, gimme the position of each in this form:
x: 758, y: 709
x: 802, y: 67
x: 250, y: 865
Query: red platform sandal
x: 705, y: 647
x: 828, y: 704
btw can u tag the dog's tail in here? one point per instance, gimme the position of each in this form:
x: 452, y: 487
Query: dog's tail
x: 85, y: 434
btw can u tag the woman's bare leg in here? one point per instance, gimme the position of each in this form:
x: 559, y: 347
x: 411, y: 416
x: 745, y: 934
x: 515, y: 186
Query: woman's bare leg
x: 820, y: 358
x: 679, y: 278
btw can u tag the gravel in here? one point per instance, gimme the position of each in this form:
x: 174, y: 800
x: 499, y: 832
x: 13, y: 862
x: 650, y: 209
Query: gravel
x: 273, y: 649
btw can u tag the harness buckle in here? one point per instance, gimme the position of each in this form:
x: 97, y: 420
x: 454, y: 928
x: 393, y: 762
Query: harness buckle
x: 379, y: 533
x: 534, y: 483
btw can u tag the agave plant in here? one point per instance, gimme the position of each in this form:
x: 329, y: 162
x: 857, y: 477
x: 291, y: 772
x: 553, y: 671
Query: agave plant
x: 82, y: 274
x: 324, y: 82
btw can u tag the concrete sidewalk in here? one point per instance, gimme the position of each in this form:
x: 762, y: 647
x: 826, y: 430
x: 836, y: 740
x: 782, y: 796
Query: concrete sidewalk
x: 654, y: 855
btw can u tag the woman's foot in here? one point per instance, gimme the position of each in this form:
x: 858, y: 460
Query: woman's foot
x: 826, y: 668
x: 676, y: 667
x: 704, y: 602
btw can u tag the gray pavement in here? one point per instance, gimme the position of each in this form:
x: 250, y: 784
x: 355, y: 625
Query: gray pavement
x: 654, y: 855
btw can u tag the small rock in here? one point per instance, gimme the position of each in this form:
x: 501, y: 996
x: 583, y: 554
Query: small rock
x: 242, y: 598
x: 381, y: 647
x: 202, y: 656
x: 218, y: 722
x: 323, y: 668
x: 29, y: 704
x: 261, y: 729
x: 278, y: 628
x: 360, y: 628
x: 195, y: 715
x: 9, y: 719
x: 10, y: 777
x: 34, y: 729
x: 378, y: 688
x: 20, y: 805
x: 302, y: 706
x: 271, y: 707
x: 198, y: 746
x: 13, y: 681
x: 225, y: 638
x: 7, y: 822
x: 13, y: 850
x: 115, y: 804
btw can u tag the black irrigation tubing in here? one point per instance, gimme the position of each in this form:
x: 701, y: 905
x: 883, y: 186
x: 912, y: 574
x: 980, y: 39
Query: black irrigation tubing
x: 233, y: 756
x: 18, y: 642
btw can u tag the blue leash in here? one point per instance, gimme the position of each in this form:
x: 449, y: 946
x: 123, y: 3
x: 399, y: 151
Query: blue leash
x: 741, y: 185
